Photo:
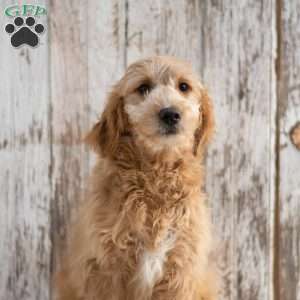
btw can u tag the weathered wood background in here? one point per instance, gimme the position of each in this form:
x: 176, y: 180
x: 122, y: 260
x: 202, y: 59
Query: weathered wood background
x: 248, y: 55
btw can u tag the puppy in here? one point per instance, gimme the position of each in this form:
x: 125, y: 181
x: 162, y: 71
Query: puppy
x: 143, y: 233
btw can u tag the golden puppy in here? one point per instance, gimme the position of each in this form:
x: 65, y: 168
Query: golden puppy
x: 144, y: 230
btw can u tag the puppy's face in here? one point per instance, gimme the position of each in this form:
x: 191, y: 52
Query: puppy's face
x: 161, y: 104
x: 161, y: 99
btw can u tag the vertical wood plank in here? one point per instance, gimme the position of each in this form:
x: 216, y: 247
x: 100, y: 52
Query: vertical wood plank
x: 106, y: 41
x: 219, y: 57
x: 25, y: 161
x: 85, y: 61
x: 288, y: 272
x: 233, y: 46
x: 239, y: 66
x: 69, y: 115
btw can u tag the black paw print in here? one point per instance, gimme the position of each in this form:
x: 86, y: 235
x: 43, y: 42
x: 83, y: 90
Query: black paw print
x: 25, y: 34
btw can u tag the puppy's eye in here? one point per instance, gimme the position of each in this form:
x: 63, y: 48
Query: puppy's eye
x: 144, y: 89
x: 184, y: 87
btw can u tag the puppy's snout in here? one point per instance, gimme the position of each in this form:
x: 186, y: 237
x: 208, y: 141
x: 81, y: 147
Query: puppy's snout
x: 169, y: 116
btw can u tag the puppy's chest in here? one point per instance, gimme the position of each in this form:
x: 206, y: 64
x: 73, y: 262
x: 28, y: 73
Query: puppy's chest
x: 160, y: 199
x: 151, y: 264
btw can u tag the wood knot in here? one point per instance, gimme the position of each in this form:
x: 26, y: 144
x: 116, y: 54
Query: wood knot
x: 295, y: 135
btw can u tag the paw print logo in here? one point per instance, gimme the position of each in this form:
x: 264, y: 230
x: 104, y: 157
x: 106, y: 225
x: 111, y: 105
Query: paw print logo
x: 24, y: 33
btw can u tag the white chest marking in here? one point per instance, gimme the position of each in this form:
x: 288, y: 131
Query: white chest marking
x: 152, y: 262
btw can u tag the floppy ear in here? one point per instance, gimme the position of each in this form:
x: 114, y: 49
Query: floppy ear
x: 105, y: 135
x: 205, y: 130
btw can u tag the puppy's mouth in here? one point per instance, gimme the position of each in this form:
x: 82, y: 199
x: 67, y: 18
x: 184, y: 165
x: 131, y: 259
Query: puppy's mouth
x: 168, y: 130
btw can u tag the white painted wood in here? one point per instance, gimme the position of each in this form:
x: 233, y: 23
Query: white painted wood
x: 289, y: 156
x: 106, y: 51
x: 69, y: 115
x: 25, y: 249
x: 86, y: 59
x: 164, y: 27
x: 238, y: 65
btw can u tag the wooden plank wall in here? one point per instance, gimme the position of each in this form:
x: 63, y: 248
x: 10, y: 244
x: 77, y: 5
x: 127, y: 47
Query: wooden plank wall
x: 25, y: 218
x: 288, y: 230
x: 247, y: 53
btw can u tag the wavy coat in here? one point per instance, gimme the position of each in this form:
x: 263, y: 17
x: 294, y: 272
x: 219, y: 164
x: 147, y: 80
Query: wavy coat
x: 143, y: 232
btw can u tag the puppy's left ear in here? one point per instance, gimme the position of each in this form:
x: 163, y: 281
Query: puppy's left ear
x: 206, y: 128
x: 105, y: 136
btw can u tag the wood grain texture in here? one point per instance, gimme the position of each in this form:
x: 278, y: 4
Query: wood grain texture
x: 289, y: 156
x: 69, y: 115
x: 238, y: 65
x: 106, y: 50
x: 232, y: 46
x: 86, y: 59
x: 25, y: 248
x: 164, y: 28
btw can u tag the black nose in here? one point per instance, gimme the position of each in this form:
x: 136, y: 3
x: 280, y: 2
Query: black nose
x: 169, y: 116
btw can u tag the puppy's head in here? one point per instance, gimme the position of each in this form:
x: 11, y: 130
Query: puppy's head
x: 161, y: 104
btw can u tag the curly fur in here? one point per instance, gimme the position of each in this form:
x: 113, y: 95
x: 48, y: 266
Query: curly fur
x: 144, y: 230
